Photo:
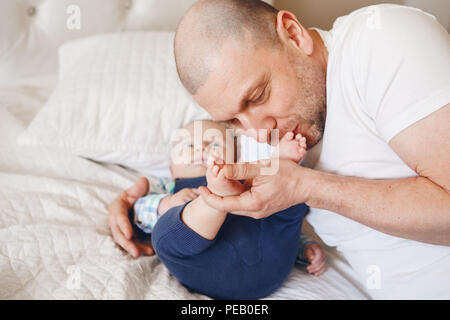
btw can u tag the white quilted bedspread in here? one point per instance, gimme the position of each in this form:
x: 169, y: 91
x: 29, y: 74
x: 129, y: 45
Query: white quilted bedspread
x: 54, y: 238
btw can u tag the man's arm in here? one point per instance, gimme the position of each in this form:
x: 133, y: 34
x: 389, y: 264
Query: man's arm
x: 416, y: 208
x: 412, y: 208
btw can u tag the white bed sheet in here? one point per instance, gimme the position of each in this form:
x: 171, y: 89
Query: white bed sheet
x: 54, y: 238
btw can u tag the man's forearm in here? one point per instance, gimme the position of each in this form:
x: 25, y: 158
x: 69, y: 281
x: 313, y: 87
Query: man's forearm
x: 203, y: 219
x: 413, y: 208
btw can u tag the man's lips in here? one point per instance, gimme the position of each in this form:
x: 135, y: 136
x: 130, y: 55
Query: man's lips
x: 296, y: 130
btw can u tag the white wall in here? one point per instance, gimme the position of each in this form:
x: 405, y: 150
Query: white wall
x: 322, y: 13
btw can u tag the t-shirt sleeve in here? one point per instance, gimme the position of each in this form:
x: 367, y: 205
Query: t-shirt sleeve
x: 146, y: 211
x: 402, y: 66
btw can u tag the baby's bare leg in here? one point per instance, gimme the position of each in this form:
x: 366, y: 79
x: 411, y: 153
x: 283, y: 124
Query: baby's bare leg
x: 198, y: 216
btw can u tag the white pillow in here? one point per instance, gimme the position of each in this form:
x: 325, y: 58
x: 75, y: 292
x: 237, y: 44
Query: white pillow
x: 119, y: 100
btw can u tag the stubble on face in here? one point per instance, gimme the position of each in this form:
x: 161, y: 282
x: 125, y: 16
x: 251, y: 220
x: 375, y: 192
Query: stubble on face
x: 311, y: 105
x: 297, y: 100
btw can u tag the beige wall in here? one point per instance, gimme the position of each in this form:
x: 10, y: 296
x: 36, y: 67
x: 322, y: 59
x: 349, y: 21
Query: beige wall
x: 322, y: 13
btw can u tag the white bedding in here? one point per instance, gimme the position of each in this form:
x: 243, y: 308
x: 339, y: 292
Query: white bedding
x: 54, y: 238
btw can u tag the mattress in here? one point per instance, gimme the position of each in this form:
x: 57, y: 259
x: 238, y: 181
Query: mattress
x: 54, y: 239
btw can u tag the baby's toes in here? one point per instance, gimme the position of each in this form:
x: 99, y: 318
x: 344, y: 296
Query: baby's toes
x: 288, y: 136
x: 303, y: 142
x: 301, y: 152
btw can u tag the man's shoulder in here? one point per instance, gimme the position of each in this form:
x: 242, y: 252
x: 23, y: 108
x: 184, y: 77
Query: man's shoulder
x: 384, y: 26
x: 377, y: 44
x: 381, y: 16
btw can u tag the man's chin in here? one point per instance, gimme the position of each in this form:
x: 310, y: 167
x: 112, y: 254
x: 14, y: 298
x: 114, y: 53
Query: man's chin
x: 311, y: 133
x: 313, y: 137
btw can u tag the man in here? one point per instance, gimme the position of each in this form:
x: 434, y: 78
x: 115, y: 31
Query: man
x: 375, y: 90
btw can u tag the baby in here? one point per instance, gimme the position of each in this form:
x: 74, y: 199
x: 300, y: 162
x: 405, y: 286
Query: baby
x: 222, y: 255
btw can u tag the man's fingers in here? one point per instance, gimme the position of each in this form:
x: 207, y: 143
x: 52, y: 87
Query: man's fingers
x: 244, y: 171
x: 124, y: 225
x: 118, y: 217
x: 140, y: 189
x: 121, y: 227
x: 241, y: 203
x: 145, y: 249
x: 126, y: 244
x: 241, y: 171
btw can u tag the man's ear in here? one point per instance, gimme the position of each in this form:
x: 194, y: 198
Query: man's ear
x: 292, y: 33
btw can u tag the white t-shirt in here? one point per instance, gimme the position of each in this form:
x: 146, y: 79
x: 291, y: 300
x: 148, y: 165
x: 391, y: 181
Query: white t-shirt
x: 388, y: 67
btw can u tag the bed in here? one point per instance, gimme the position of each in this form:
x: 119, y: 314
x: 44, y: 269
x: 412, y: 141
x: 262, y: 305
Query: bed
x: 54, y: 239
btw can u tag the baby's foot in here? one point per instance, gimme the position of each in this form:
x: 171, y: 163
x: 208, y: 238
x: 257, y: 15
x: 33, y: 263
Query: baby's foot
x: 316, y: 256
x: 290, y: 148
x: 218, y: 184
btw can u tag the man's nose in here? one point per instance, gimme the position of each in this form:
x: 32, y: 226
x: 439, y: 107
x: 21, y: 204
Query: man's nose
x: 257, y: 126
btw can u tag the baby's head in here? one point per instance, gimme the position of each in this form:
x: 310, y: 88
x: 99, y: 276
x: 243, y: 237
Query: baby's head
x: 195, y: 143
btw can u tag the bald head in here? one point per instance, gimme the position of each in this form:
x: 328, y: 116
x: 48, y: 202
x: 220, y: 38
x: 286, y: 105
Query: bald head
x: 205, y: 28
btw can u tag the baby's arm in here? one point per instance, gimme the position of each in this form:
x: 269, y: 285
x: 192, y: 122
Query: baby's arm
x: 203, y: 219
x: 177, y: 199
x: 148, y: 209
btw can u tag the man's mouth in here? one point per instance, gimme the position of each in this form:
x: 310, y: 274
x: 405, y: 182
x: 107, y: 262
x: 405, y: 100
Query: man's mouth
x: 296, y: 131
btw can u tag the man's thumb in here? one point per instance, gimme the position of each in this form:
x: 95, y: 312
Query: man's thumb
x: 140, y: 189
x: 241, y: 171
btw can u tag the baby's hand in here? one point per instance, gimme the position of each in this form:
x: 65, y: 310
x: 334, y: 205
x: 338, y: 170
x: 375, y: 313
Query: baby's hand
x: 218, y: 184
x: 316, y: 256
x: 290, y: 148
x: 177, y: 199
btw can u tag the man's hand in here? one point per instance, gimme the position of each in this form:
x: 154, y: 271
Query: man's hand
x: 219, y: 184
x: 120, y: 224
x: 177, y: 199
x: 267, y: 194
